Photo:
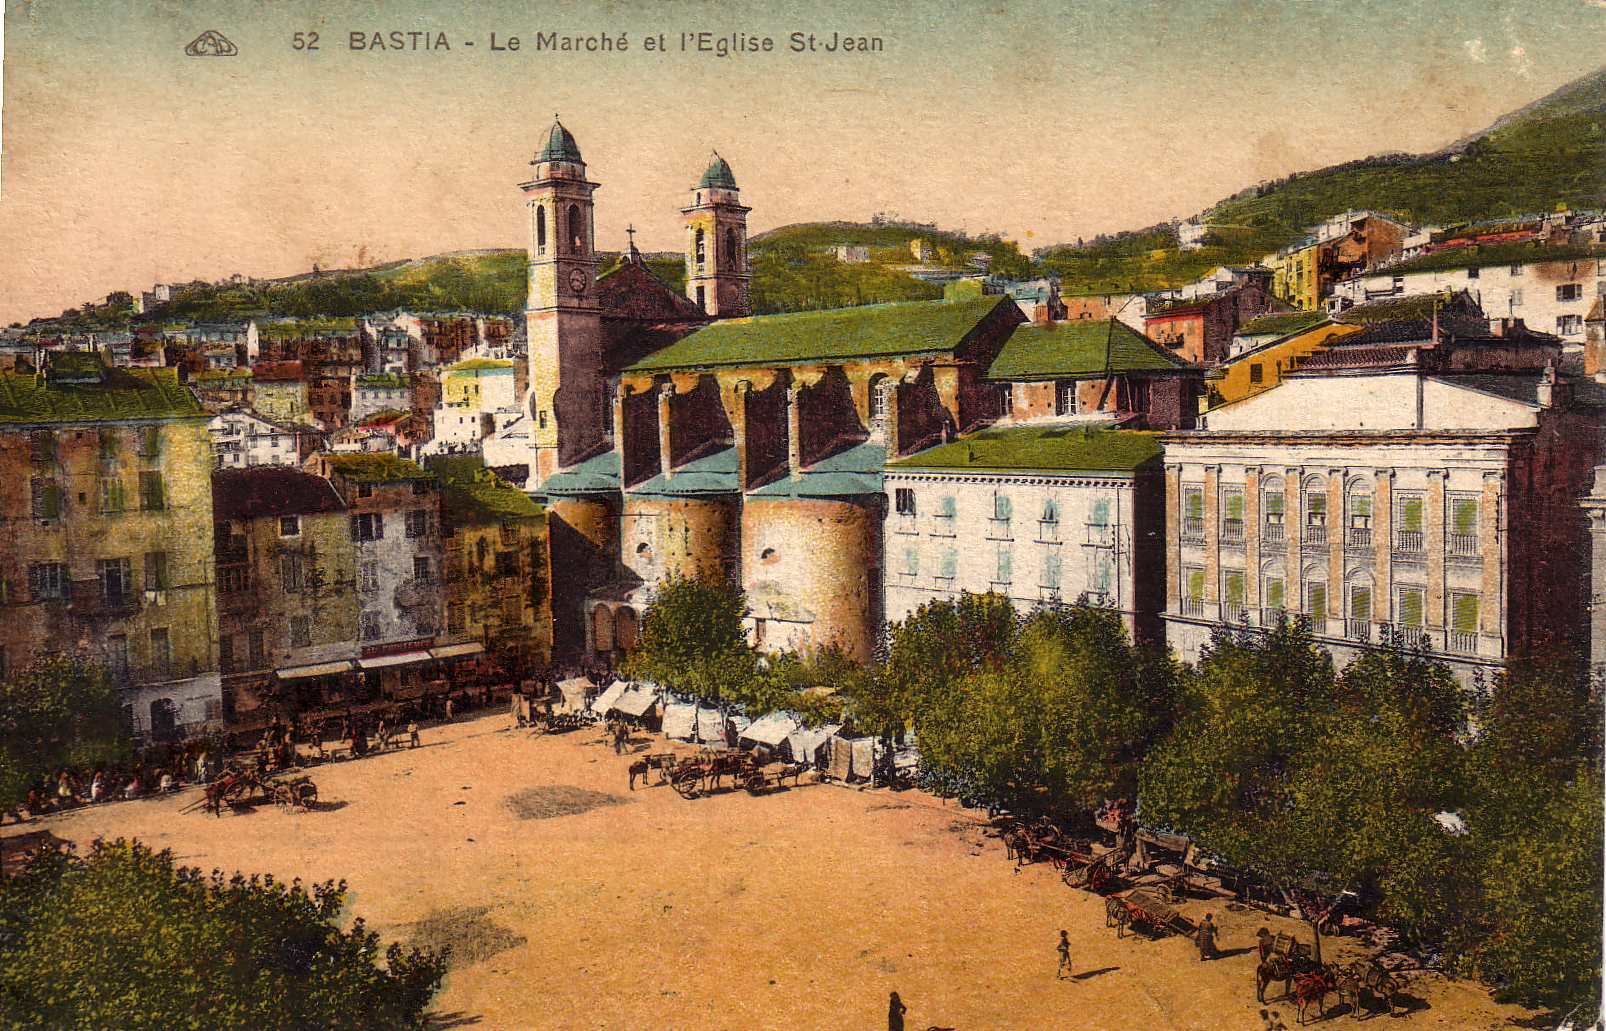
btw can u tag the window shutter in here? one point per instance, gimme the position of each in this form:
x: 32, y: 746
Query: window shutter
x: 1411, y: 608
x: 1360, y: 505
x: 1411, y: 515
x: 1101, y: 512
x: 1274, y: 504
x: 946, y: 508
x: 1274, y: 593
x: 1235, y: 505
x: 1234, y: 584
x: 1317, y: 596
x: 1006, y: 562
x: 1001, y: 506
x: 1195, y: 502
x: 1464, y: 517
x: 1464, y: 613
x: 911, y: 560
x: 1196, y: 585
x: 1051, y: 570
x: 950, y: 563
x: 1051, y: 511
x: 1360, y: 603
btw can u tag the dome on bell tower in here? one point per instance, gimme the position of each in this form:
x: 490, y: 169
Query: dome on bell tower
x: 718, y: 174
x: 560, y: 145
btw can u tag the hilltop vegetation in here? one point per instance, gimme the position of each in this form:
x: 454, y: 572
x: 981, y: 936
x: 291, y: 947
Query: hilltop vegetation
x: 1548, y: 155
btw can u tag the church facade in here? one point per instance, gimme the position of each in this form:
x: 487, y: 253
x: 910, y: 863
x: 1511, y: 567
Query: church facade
x: 677, y: 435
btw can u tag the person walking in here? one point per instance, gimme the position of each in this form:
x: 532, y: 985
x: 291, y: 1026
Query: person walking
x: 895, y: 1011
x: 1064, y: 950
x: 1205, y: 937
x: 412, y: 734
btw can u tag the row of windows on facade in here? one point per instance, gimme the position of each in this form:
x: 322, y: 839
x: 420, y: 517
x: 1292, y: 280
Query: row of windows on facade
x: 1410, y: 605
x: 294, y: 576
x: 946, y: 509
x: 115, y: 581
x: 46, y: 495
x: 1564, y: 291
x: 42, y: 444
x: 1409, y: 518
x: 1101, y: 577
x: 1067, y: 400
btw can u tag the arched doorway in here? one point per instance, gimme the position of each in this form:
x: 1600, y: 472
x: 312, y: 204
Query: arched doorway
x: 626, y: 628
x: 602, y: 630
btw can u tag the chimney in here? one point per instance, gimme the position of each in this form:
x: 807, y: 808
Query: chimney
x: 1553, y: 391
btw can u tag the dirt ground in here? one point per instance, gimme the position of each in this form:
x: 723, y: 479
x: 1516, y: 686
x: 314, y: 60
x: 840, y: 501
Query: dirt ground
x: 573, y: 903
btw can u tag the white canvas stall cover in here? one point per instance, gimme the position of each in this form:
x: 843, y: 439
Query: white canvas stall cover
x: 637, y: 700
x: 574, y: 693
x: 804, y: 742
x: 840, y: 758
x: 863, y: 756
x: 604, y: 701
x: 710, y: 727
x: 771, y: 729
x: 677, y: 720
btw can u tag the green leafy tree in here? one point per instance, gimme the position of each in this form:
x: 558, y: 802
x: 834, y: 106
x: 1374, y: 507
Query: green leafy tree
x: 693, y: 640
x: 56, y: 712
x: 125, y: 938
x: 942, y: 641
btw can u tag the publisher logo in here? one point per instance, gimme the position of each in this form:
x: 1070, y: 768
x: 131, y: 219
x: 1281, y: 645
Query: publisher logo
x: 211, y: 44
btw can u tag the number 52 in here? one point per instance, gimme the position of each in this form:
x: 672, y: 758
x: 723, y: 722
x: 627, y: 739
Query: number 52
x: 305, y: 41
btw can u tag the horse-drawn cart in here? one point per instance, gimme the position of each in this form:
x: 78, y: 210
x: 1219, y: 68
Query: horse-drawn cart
x: 298, y: 792
x: 703, y: 773
x: 1141, y: 906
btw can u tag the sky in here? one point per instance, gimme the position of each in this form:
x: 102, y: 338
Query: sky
x: 125, y: 162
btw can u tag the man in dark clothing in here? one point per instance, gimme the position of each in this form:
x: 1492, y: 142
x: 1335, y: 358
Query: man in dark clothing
x: 895, y: 1011
x: 1065, y: 957
x: 1205, y: 937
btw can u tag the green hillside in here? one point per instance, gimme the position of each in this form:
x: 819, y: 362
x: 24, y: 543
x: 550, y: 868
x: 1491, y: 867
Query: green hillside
x: 1550, y: 154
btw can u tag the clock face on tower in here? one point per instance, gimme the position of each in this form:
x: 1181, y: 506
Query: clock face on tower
x: 577, y: 281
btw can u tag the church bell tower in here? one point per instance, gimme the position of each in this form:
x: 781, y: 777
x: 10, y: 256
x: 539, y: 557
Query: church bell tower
x: 717, y: 277
x: 568, y: 400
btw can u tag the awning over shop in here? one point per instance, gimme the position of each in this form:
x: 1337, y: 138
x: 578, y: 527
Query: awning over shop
x: 771, y: 729
x: 317, y: 669
x: 399, y: 659
x: 805, y: 743
x: 685, y: 722
x: 574, y: 693
x: 637, y: 700
x: 604, y: 701
x: 457, y: 651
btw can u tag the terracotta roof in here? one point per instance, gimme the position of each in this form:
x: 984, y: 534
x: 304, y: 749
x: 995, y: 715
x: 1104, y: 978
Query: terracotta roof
x: 629, y: 290
x: 271, y: 490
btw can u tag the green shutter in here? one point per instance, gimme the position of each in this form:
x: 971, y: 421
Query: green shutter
x: 1051, y: 511
x: 1360, y: 505
x: 1464, y: 516
x: 1195, y: 503
x: 1464, y: 613
x: 1411, y: 515
x: 1001, y: 506
x: 1411, y: 607
x: 1196, y: 585
x: 1233, y: 588
x: 911, y: 560
x: 1234, y: 505
x: 950, y: 563
x: 1103, y: 572
x: 1051, y: 570
x: 1274, y: 504
x: 945, y: 507
x: 1360, y: 603
x: 1316, y: 599
x: 1101, y: 512
x: 1316, y: 504
x: 1274, y: 592
x: 1006, y: 562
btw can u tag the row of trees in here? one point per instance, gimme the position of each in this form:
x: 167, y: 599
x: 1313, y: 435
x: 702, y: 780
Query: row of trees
x: 1469, y: 820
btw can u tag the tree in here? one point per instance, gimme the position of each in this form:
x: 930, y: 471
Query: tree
x: 125, y: 938
x: 942, y: 641
x: 693, y: 640
x: 57, y: 712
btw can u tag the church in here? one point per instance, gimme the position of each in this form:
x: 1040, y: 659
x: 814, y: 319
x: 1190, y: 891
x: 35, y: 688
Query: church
x: 681, y: 435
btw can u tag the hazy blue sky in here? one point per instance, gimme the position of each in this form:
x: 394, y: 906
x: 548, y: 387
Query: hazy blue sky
x: 126, y: 162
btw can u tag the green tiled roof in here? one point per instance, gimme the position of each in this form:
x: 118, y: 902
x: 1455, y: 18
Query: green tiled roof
x: 560, y: 145
x: 383, y: 380
x: 377, y: 467
x: 1080, y: 349
x: 836, y: 334
x: 598, y: 474
x: 292, y: 329
x: 1050, y: 449
x: 1419, y: 306
x: 473, y: 495
x: 718, y: 174
x: 214, y: 375
x: 711, y: 474
x: 480, y: 364
x: 848, y: 473
x: 1282, y: 323
x: 121, y: 394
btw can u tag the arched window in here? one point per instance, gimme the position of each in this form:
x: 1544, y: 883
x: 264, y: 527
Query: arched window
x: 540, y: 229
x: 577, y: 231
x: 697, y: 248
x: 1358, y: 515
x: 731, y: 257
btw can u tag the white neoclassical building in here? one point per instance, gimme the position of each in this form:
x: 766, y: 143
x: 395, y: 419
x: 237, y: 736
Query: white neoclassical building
x: 1041, y: 514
